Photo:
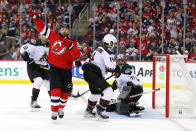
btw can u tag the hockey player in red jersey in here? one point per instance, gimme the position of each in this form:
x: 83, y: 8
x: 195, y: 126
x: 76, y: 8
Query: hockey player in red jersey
x: 62, y: 53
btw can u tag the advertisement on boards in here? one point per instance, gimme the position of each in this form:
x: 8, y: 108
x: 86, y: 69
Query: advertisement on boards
x: 15, y: 72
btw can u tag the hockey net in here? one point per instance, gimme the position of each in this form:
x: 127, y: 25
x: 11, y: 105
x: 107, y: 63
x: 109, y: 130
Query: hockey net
x: 177, y: 95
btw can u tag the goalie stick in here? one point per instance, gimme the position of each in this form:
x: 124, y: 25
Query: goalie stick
x: 78, y: 94
x: 113, y: 101
x: 146, y: 92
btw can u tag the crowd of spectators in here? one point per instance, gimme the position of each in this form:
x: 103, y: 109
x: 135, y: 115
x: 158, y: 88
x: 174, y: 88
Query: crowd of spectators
x: 151, y: 40
x: 17, y: 27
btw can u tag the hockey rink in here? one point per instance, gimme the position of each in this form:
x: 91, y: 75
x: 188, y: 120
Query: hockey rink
x: 15, y: 114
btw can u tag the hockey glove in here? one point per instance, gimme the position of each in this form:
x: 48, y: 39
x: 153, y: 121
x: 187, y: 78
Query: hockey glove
x: 117, y: 71
x: 114, y: 85
x: 129, y: 83
x: 33, y: 14
x: 77, y: 63
x: 30, y: 61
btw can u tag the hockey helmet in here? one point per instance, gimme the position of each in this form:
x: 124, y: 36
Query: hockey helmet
x: 109, y: 42
x: 63, y: 24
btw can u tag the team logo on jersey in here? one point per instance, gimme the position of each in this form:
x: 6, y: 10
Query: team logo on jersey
x: 58, y: 48
x: 128, y: 71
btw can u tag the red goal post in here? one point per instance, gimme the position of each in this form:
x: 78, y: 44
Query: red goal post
x: 172, y: 87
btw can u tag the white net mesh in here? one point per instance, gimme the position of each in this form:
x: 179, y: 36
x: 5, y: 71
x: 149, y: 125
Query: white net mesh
x: 182, y: 89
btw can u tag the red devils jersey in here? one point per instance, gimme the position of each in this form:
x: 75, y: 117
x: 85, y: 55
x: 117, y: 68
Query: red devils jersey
x: 59, y: 55
x: 192, y: 56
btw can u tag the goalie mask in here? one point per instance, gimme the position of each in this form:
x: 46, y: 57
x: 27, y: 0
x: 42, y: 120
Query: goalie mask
x: 109, y: 42
x: 121, y: 59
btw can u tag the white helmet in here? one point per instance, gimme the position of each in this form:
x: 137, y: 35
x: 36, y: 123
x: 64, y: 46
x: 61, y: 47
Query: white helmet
x: 109, y: 41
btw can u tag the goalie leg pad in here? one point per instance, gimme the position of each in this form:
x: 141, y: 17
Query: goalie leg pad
x: 124, y: 93
x: 122, y: 108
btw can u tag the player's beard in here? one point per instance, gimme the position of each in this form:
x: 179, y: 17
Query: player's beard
x: 63, y: 35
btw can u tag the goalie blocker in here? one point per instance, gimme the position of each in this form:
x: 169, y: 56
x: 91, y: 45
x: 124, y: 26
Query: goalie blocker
x: 126, y: 105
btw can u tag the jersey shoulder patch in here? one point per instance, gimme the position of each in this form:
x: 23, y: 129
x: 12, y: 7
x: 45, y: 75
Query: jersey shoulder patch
x: 33, y: 42
x: 36, y: 42
x: 126, y: 69
x: 100, y: 50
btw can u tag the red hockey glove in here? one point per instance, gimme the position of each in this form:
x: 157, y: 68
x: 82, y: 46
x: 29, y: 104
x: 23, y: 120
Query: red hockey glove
x: 33, y: 14
x: 77, y: 63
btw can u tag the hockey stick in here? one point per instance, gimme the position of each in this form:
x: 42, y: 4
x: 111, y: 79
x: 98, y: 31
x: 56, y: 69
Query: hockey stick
x: 45, y: 68
x: 146, y: 92
x: 113, y: 101
x: 79, y: 77
x: 79, y: 95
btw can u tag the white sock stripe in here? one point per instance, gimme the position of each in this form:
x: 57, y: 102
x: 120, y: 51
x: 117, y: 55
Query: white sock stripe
x: 55, y: 98
x: 48, y: 33
x: 55, y: 104
x: 94, y: 97
x: 62, y: 104
x: 43, y: 31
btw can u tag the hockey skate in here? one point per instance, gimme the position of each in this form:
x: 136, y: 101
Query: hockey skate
x: 60, y: 113
x: 100, y: 114
x: 135, y: 111
x: 89, y: 113
x: 141, y: 108
x: 35, y: 107
x: 54, y: 115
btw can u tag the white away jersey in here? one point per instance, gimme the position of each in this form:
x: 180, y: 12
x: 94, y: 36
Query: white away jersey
x: 38, y: 53
x: 103, y: 60
x: 124, y: 78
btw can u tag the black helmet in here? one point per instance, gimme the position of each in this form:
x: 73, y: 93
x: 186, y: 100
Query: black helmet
x: 63, y: 24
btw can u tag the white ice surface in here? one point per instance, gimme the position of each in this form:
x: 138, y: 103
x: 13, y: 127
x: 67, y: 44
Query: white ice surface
x: 15, y: 114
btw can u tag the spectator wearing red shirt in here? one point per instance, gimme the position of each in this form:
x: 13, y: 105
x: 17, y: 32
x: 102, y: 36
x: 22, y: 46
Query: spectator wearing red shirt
x: 25, y: 32
x: 131, y: 51
x: 192, y: 55
x: 86, y: 51
x: 143, y: 48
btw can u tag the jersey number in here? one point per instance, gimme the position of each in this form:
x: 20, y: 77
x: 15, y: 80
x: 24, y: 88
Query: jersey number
x: 25, y: 47
x: 93, y: 56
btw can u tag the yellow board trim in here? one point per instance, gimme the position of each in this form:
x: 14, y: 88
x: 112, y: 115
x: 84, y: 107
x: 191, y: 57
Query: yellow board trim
x: 77, y: 82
